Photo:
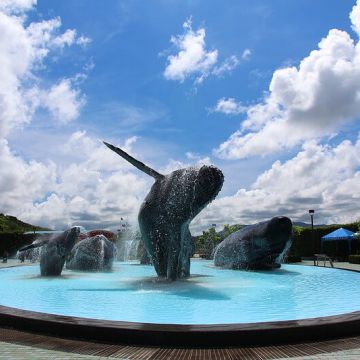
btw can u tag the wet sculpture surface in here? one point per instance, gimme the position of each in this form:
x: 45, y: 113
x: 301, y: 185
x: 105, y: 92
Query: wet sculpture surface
x: 96, y: 253
x: 255, y: 247
x: 55, y: 251
x: 164, y: 217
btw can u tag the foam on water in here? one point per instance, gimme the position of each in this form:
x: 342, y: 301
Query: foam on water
x: 211, y: 296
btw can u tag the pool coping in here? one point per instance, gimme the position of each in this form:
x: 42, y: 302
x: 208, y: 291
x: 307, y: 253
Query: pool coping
x: 137, y: 333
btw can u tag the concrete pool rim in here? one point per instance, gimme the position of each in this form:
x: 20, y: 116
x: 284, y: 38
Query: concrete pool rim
x: 137, y: 333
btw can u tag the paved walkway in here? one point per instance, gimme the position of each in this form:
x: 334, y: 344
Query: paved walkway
x: 338, y: 265
x: 10, y: 351
x: 13, y: 262
x: 16, y: 345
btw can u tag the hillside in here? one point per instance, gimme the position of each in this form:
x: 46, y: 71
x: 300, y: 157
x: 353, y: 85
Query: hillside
x: 10, y: 224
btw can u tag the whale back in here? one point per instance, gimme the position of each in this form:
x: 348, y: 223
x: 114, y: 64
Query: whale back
x: 56, y: 250
x: 255, y: 246
x: 92, y: 254
x: 182, y: 194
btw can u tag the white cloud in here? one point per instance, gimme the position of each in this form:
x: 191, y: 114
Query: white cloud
x: 246, y: 54
x: 227, y: 66
x: 319, y: 177
x: 229, y: 107
x: 193, y: 60
x: 305, y: 102
x: 63, y: 101
x: 22, y: 53
x: 83, y: 40
x: 94, y: 190
x: 355, y: 17
x: 196, y: 161
x: 16, y: 6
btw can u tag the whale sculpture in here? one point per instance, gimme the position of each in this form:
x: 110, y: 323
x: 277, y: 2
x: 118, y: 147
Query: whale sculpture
x: 33, y: 254
x: 96, y: 253
x: 54, y: 251
x: 164, y: 217
x: 255, y: 247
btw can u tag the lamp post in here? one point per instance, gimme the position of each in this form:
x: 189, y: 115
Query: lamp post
x: 311, y: 213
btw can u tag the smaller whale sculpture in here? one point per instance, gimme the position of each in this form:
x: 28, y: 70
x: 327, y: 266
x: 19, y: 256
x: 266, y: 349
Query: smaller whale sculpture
x: 54, y: 251
x: 255, y: 247
x: 33, y: 254
x: 96, y: 253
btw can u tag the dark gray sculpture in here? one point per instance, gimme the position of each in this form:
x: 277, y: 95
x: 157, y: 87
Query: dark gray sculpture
x: 164, y: 217
x: 55, y: 251
x: 255, y: 247
x: 96, y: 253
x: 32, y: 254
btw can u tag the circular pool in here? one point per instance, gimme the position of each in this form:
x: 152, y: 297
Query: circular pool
x: 211, y: 297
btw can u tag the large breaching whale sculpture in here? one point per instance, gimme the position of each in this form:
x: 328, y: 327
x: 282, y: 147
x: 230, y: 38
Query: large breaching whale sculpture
x: 55, y: 251
x: 255, y: 247
x: 164, y: 217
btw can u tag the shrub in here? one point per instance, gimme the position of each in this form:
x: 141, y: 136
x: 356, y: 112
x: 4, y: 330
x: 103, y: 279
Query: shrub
x: 292, y: 259
x: 354, y: 259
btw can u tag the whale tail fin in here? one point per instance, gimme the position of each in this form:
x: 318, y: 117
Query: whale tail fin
x: 138, y: 164
x: 34, y: 245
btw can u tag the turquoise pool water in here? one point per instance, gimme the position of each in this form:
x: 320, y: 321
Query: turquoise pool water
x: 211, y: 296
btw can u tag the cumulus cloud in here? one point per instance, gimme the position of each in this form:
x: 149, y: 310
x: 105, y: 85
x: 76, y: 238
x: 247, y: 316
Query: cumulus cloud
x: 319, y: 177
x: 94, y: 190
x: 229, y: 107
x: 16, y: 6
x: 63, y: 101
x: 305, y: 102
x: 195, y: 160
x: 246, y: 54
x: 34, y: 190
x: 194, y: 59
x: 355, y: 18
x: 22, y: 53
x: 227, y: 66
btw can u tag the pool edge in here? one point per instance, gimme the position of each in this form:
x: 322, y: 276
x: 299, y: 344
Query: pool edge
x: 182, y: 335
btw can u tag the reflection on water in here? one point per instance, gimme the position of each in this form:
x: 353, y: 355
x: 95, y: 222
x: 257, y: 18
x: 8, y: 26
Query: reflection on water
x: 184, y: 288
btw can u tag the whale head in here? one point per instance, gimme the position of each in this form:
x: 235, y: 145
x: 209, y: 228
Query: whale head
x: 269, y: 249
x: 208, y: 183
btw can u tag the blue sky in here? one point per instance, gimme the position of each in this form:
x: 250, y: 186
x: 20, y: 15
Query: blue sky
x: 245, y: 86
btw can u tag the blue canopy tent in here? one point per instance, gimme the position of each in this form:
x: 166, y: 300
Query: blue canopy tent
x: 339, y: 234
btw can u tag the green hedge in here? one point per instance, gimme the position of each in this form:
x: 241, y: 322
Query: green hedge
x: 292, y: 259
x: 205, y: 244
x: 12, y: 242
x: 354, y: 259
x: 306, y: 243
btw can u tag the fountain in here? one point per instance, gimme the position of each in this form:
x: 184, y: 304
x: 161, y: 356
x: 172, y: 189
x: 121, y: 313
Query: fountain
x: 212, y: 306
x: 128, y: 243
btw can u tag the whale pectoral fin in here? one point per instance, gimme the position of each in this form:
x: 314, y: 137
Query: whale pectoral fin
x: 33, y: 246
x: 138, y: 164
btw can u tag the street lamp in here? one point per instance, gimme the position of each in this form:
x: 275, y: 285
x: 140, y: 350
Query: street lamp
x: 311, y: 213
